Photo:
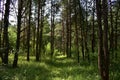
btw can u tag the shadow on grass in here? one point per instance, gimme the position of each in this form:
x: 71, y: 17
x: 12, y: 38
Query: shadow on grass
x: 60, y: 63
x: 57, y: 69
x: 69, y: 69
x: 25, y: 72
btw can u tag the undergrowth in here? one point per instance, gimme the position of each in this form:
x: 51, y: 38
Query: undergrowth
x: 59, y: 68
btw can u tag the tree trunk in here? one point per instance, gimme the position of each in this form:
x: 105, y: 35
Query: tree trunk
x: 5, y: 33
x: 100, y: 39
x: 105, y: 39
x: 1, y: 28
x: 116, y: 32
x: 81, y: 28
x: 38, y: 31
x: 34, y: 31
x: 111, y: 31
x: 86, y: 31
x: 70, y: 28
x: 41, y: 30
x: 67, y: 36
x: 20, y: 2
x: 52, y: 28
x: 28, y: 31
x: 93, y: 29
x: 76, y: 33
x: 103, y: 53
x: 63, y: 37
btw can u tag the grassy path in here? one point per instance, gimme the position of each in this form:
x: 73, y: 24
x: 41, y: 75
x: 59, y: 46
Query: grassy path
x: 57, y: 69
x: 60, y: 68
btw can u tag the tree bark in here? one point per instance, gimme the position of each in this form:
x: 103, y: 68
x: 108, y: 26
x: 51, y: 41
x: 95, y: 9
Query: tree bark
x: 93, y: 28
x: 28, y: 32
x: 63, y: 36
x: 86, y: 31
x: 105, y: 39
x: 111, y: 31
x: 81, y: 28
x: 5, y: 33
x: 52, y: 28
x: 116, y: 33
x: 41, y: 30
x: 38, y: 31
x: 20, y: 2
x: 103, y: 53
x: 70, y: 28
x: 76, y: 33
x: 1, y: 27
x: 100, y: 39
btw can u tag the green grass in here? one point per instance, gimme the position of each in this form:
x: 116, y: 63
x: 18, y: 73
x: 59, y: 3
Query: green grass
x: 60, y: 68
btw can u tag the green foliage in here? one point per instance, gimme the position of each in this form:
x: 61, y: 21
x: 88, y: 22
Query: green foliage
x: 48, y: 47
x: 46, y: 26
x: 12, y: 36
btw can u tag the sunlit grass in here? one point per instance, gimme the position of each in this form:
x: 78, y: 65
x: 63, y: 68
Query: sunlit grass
x: 60, y: 68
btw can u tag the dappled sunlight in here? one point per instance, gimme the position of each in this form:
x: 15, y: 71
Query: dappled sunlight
x: 59, y: 69
x: 60, y: 56
x: 68, y: 69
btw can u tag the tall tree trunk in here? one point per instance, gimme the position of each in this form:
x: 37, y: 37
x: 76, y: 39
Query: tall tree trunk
x: 38, y: 31
x: 52, y: 27
x: 86, y: 30
x: 116, y: 33
x: 63, y: 36
x: 105, y: 39
x: 1, y: 28
x: 82, y: 43
x: 34, y: 31
x: 111, y: 31
x: 81, y: 28
x: 103, y: 53
x: 70, y: 28
x: 1, y: 24
x: 28, y: 31
x: 76, y: 32
x: 1, y: 55
x: 93, y: 28
x: 67, y: 29
x: 20, y: 2
x: 68, y: 15
x: 100, y: 39
x: 67, y: 36
x: 34, y: 37
x: 41, y: 30
x: 5, y: 33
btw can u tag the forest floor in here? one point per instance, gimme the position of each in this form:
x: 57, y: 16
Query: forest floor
x: 60, y: 68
